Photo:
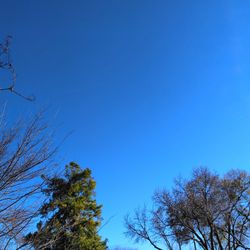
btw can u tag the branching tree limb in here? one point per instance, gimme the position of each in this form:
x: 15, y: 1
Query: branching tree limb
x: 206, y: 212
x: 26, y: 152
x: 7, y: 65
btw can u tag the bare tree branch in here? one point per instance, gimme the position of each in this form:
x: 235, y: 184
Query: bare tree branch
x: 6, y: 64
x: 206, y: 212
x: 26, y: 152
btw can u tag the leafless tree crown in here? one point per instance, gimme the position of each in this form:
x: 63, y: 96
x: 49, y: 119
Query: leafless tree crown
x: 25, y: 153
x: 206, y: 212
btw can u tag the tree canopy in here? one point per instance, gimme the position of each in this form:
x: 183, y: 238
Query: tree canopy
x: 71, y: 217
x: 206, y: 212
x: 26, y: 151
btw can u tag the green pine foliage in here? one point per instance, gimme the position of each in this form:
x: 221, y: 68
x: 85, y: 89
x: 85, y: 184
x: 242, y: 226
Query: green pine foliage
x: 71, y: 215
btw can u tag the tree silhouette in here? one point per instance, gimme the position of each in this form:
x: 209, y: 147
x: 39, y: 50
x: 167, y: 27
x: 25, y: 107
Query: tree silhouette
x: 26, y: 152
x: 207, y: 212
x: 7, y: 65
x: 72, y: 216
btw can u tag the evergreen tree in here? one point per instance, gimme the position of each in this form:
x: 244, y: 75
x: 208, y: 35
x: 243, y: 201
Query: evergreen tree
x: 71, y: 215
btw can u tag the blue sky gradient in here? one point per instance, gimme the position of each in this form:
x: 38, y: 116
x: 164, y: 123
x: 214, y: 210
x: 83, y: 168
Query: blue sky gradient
x: 151, y: 89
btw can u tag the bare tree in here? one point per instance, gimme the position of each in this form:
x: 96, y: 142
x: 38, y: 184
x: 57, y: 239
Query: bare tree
x: 25, y: 153
x: 142, y: 227
x: 206, y: 212
x: 7, y: 65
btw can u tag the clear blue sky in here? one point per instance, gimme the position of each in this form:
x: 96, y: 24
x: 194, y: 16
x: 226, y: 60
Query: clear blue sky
x: 150, y: 88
